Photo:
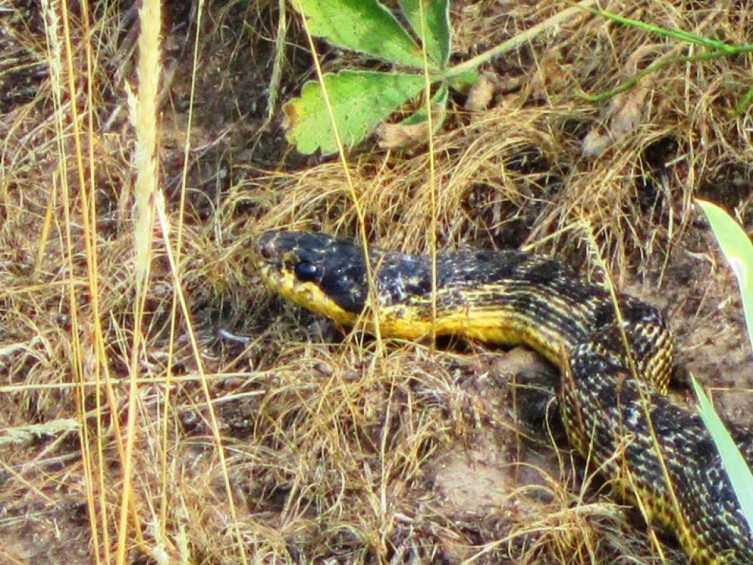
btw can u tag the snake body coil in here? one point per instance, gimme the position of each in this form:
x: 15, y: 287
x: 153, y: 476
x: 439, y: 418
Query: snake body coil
x: 658, y: 454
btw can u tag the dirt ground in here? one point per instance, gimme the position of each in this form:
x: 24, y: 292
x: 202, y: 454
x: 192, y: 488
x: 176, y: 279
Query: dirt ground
x: 238, y: 428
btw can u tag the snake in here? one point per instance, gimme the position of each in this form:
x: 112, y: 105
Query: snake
x: 615, y: 354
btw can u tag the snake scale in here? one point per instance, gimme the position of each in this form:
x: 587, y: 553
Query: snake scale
x: 658, y: 455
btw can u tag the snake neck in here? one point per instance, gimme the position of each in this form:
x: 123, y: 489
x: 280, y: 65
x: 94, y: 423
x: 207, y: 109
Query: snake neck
x: 512, y: 298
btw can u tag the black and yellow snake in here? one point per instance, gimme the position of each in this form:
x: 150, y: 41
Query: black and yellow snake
x: 659, y: 454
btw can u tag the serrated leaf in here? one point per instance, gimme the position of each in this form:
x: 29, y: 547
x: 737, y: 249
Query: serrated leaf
x: 436, y: 27
x: 361, y: 25
x: 360, y: 101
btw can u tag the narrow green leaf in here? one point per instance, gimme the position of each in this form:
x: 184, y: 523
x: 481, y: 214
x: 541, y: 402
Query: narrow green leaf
x: 678, y: 34
x: 436, y: 26
x: 738, y: 250
x: 742, y: 106
x: 734, y: 464
x: 360, y: 101
x: 361, y: 25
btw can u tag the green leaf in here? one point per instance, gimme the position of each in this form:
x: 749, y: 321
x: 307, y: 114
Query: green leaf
x: 734, y: 464
x: 361, y: 25
x: 464, y: 81
x: 439, y: 110
x: 436, y: 26
x: 738, y: 250
x: 360, y: 101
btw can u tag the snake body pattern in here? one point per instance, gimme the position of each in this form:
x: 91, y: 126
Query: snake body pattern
x: 615, y: 357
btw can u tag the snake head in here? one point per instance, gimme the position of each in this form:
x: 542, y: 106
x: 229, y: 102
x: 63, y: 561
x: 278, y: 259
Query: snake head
x: 316, y: 271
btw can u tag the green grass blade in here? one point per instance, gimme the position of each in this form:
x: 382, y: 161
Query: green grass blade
x: 677, y: 34
x: 742, y: 106
x: 361, y: 25
x: 738, y: 250
x: 737, y: 469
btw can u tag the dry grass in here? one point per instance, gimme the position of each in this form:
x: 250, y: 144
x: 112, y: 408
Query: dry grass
x: 133, y: 433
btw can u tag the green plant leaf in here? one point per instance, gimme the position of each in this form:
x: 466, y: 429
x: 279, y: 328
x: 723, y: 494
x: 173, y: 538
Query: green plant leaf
x: 738, y: 250
x: 361, y: 25
x: 439, y: 109
x: 414, y: 129
x: 737, y: 469
x: 360, y: 101
x: 436, y: 15
x: 464, y: 81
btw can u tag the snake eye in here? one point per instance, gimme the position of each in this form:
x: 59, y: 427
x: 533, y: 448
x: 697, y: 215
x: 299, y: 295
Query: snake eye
x: 305, y: 272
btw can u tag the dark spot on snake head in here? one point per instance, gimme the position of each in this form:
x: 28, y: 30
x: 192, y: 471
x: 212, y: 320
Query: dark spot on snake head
x: 306, y: 272
x: 483, y: 256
